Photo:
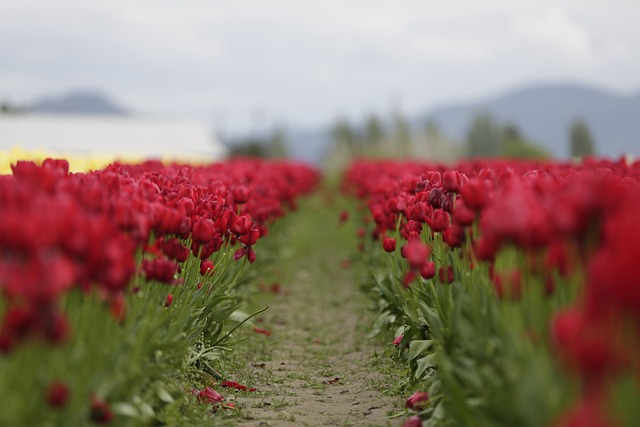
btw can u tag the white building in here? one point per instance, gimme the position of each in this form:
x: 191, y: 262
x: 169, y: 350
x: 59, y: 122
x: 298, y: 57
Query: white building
x: 112, y: 137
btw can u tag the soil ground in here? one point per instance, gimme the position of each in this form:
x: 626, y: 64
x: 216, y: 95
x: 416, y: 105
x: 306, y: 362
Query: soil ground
x: 318, y: 368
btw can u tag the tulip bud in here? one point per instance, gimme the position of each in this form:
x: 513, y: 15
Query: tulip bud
x: 416, y: 253
x: 451, y: 181
x: 413, y: 421
x: 203, y: 231
x: 446, y: 274
x: 389, y: 244
x: 206, y: 266
x: 169, y: 300
x: 440, y: 220
x: 417, y: 401
x: 428, y: 270
x: 58, y: 394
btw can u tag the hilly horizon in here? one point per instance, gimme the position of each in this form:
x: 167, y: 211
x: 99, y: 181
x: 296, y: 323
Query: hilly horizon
x: 544, y: 113
x: 78, y: 102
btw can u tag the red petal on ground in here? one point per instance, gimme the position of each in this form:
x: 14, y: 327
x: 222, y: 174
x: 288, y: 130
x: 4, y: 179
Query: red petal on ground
x: 233, y: 384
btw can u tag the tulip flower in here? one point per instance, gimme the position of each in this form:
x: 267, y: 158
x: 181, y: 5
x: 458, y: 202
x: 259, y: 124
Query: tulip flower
x: 413, y: 421
x: 58, y: 394
x: 417, y: 401
x: 389, y: 244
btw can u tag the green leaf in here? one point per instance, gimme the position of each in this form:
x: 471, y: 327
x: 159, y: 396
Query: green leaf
x: 419, y: 347
x: 165, y: 396
x: 467, y: 370
x: 146, y: 410
x: 435, y: 387
x: 435, y: 323
x: 126, y: 409
x: 439, y: 412
x: 423, y: 364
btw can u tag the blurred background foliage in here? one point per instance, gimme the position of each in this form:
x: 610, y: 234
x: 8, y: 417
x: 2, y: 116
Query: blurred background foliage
x: 395, y: 137
x: 273, y: 145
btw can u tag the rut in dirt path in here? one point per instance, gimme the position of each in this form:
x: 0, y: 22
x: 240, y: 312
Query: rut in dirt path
x: 320, y: 368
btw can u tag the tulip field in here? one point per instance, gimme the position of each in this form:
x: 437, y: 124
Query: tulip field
x: 505, y: 292
x: 512, y: 287
x: 119, y: 282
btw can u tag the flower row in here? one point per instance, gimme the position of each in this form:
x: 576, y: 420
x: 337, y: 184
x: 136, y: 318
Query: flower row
x: 115, y: 281
x: 541, y: 254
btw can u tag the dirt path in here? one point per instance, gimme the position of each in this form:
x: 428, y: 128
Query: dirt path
x: 318, y: 367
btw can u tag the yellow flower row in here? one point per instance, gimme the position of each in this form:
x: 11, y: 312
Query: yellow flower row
x: 77, y: 163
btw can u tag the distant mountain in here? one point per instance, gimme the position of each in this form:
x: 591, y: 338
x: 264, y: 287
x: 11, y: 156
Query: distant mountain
x: 544, y: 114
x: 78, y: 103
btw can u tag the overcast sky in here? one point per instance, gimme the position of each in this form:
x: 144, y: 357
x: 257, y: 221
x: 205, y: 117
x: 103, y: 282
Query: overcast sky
x: 238, y: 64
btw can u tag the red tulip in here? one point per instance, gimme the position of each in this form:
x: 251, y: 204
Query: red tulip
x: 206, y: 266
x: 241, y: 195
x: 251, y: 255
x: 428, y: 270
x: 440, y: 220
x: 242, y: 225
x: 445, y: 274
x: 586, y: 346
x: 589, y: 412
x: 58, y: 394
x: 169, y: 300
x: 203, y: 231
x: 436, y: 198
x: 413, y: 421
x: 99, y: 411
x: 118, y: 307
x: 417, y: 401
x: 462, y: 215
x: 389, y: 244
x: 237, y: 386
x: 209, y: 395
x: 454, y: 236
x: 162, y: 270
x: 416, y: 253
x: 174, y: 249
x: 475, y: 193
x: 451, y: 181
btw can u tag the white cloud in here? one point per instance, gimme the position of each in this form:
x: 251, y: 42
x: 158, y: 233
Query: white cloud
x: 554, y: 31
x: 305, y: 61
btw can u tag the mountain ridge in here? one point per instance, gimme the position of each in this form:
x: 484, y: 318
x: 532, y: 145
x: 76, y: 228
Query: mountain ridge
x: 78, y: 102
x: 544, y: 113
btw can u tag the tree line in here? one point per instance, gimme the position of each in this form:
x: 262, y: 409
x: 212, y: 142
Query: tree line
x: 486, y: 137
x: 375, y: 136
